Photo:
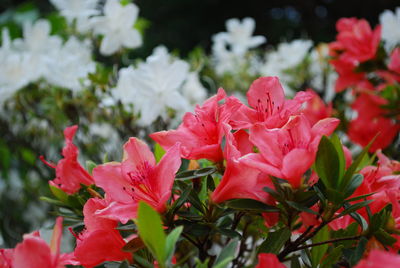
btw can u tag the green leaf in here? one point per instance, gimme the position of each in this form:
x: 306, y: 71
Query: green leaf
x: 358, y: 251
x: 332, y: 258
x: 360, y: 220
x: 182, y: 198
x: 384, y: 237
x: 355, y: 181
x: 90, y: 165
x: 171, y: 240
x: 355, y: 207
x: 192, y: 174
x: 250, y: 205
x: 318, y: 252
x: 339, y: 149
x: 151, y: 231
x: 300, y: 207
x: 227, y: 254
x: 200, y: 264
x: 327, y: 163
x: 359, y: 197
x: 60, y: 194
x: 53, y: 201
x: 275, y: 241
x: 353, y: 167
x: 294, y: 262
x: 142, y: 261
x: 158, y: 152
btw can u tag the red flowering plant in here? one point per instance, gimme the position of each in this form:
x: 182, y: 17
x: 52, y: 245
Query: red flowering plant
x: 264, y: 185
x: 372, y: 75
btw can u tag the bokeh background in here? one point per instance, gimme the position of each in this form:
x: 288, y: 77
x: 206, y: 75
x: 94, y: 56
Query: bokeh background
x: 183, y: 24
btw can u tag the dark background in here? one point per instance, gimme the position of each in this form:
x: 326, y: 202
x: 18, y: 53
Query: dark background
x: 184, y: 24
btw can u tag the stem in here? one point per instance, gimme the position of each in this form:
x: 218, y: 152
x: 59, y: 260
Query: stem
x: 330, y: 241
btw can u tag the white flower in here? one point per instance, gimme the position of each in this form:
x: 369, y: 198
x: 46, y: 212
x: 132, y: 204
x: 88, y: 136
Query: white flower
x: 71, y: 64
x: 41, y: 47
x: 79, y: 10
x: 154, y: 86
x: 193, y: 90
x: 239, y: 36
x: 15, y: 68
x: 287, y: 56
x: 390, y: 22
x: 229, y: 48
x: 117, y: 27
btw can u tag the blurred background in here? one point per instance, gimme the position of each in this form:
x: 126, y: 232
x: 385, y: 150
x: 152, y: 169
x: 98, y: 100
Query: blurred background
x: 183, y: 25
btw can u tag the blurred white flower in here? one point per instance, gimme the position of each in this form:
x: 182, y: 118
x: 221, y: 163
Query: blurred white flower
x: 71, y: 64
x: 323, y: 77
x: 240, y: 36
x: 15, y: 68
x: 154, y: 86
x: 193, y: 90
x: 117, y: 27
x: 77, y: 10
x: 229, y: 48
x: 287, y: 56
x: 390, y: 22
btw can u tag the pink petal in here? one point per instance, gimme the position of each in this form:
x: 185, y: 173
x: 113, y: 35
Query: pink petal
x: 295, y: 164
x: 323, y: 127
x: 136, y: 152
x: 266, y: 88
x: 268, y: 142
x: 118, y: 212
x: 56, y: 237
x: 92, y: 220
x: 164, y: 173
x: 32, y: 252
x: 257, y: 161
x: 109, y: 177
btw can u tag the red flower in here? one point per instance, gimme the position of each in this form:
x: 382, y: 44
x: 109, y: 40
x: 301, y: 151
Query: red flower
x: 315, y: 108
x: 289, y: 151
x: 370, y: 121
x: 69, y: 173
x: 100, y: 241
x: 356, y: 38
x: 267, y: 105
x: 201, y: 133
x: 346, y: 74
x: 239, y: 182
x: 34, y: 252
x: 380, y: 258
x: 137, y: 178
x: 269, y: 260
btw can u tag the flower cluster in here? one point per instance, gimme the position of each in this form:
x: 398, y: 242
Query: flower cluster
x: 362, y: 65
x: 268, y: 162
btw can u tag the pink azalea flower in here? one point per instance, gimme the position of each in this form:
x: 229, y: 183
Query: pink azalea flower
x: 315, y: 109
x: 370, y: 121
x: 201, y: 133
x: 289, y: 151
x: 346, y: 73
x: 137, y: 178
x: 100, y: 241
x: 380, y: 258
x: 69, y: 173
x: 6, y: 258
x: 267, y: 105
x: 357, y: 39
x: 269, y: 260
x: 34, y: 252
x: 239, y: 182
